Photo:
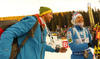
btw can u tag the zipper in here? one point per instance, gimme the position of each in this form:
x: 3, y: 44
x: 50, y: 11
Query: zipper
x: 42, y: 41
x: 41, y: 51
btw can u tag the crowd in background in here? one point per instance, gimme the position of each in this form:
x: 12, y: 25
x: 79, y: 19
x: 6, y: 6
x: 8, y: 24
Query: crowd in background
x: 62, y: 18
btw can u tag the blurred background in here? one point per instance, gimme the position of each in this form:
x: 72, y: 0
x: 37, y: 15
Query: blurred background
x: 61, y: 22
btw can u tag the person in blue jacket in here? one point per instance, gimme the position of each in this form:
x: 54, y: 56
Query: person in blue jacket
x: 79, y: 39
x: 35, y: 47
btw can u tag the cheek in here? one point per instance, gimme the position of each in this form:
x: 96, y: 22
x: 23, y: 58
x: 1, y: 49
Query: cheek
x: 49, y: 18
x: 76, y: 20
x: 80, y: 21
x: 83, y: 20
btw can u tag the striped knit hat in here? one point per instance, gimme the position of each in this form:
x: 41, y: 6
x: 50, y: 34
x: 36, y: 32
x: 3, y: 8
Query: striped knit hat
x: 75, y: 15
x: 44, y: 10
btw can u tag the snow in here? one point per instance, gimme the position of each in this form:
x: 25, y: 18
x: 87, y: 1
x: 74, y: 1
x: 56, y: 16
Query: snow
x: 54, y: 55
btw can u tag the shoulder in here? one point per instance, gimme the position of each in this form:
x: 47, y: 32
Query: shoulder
x: 29, y: 18
x: 86, y: 29
x: 70, y: 30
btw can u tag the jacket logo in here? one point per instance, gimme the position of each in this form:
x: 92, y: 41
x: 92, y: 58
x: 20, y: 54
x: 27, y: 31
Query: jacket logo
x: 70, y: 40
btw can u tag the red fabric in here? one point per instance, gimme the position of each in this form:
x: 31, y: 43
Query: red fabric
x: 37, y: 15
x: 1, y: 31
x: 65, y: 44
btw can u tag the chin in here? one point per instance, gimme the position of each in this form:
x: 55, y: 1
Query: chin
x: 48, y: 22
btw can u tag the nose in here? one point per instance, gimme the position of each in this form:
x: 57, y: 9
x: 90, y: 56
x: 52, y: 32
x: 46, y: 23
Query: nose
x: 51, y: 17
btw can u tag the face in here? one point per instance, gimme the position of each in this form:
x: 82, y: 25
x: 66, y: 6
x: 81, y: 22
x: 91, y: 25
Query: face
x: 48, y: 17
x: 79, y: 19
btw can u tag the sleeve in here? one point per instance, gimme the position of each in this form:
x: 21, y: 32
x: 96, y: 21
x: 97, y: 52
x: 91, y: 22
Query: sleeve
x: 90, y: 37
x: 72, y: 43
x: 49, y: 48
x: 14, y: 31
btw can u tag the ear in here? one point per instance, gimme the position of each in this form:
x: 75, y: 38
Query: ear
x: 72, y: 22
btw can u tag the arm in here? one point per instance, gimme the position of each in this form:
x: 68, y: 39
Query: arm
x: 49, y: 48
x: 14, y: 31
x: 72, y: 43
x: 90, y: 37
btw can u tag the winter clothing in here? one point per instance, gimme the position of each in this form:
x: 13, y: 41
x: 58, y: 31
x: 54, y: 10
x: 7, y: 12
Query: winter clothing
x: 44, y: 10
x: 78, y: 39
x: 33, y: 48
x: 75, y: 15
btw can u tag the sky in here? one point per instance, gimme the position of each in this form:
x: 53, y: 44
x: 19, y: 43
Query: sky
x: 28, y: 7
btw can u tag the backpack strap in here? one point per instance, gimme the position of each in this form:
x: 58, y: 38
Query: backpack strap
x: 30, y: 33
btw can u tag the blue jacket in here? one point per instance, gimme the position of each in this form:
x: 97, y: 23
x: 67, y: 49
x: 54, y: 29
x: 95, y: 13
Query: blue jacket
x: 33, y: 48
x: 79, y: 45
x: 72, y: 37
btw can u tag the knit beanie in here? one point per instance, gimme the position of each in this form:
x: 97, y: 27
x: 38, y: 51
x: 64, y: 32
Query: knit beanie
x: 75, y: 15
x: 44, y: 10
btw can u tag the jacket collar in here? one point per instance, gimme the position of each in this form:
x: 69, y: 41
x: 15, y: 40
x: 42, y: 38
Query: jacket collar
x: 78, y: 28
x: 40, y: 20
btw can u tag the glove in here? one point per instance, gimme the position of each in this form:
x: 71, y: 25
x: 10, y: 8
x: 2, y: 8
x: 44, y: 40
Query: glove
x: 90, y: 45
x: 61, y: 50
x: 95, y: 43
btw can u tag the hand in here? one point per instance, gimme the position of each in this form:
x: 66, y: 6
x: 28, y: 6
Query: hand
x: 95, y: 42
x: 62, y: 50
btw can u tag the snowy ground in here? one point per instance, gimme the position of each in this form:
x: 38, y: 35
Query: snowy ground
x: 66, y: 55
x: 49, y: 55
